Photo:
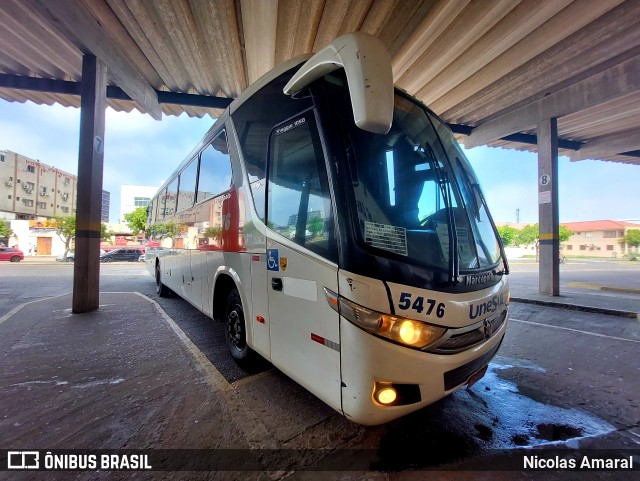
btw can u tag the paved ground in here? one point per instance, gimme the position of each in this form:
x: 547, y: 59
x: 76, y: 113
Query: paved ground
x: 592, y: 283
x: 138, y: 374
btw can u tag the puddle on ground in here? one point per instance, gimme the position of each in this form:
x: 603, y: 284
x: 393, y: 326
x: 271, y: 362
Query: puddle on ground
x: 492, y: 416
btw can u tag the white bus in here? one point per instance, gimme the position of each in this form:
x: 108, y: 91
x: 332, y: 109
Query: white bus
x: 335, y: 227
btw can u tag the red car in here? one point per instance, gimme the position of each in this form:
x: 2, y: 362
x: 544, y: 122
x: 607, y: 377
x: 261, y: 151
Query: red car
x: 12, y: 254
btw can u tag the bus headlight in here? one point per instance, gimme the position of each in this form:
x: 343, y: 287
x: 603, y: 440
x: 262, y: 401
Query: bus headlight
x: 405, y: 331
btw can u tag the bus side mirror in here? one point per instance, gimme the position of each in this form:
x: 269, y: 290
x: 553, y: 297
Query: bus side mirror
x: 367, y: 65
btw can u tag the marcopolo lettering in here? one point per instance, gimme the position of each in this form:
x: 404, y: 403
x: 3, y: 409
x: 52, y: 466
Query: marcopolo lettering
x: 477, y: 310
x: 479, y: 279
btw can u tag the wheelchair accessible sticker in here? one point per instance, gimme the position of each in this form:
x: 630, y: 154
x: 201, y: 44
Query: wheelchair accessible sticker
x: 272, y: 260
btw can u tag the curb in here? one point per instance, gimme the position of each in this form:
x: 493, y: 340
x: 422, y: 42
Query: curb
x: 574, y: 307
x: 620, y: 289
x: 598, y: 287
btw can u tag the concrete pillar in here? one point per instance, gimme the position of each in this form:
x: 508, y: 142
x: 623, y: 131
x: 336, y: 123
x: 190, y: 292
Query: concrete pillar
x: 549, y: 251
x: 86, y: 275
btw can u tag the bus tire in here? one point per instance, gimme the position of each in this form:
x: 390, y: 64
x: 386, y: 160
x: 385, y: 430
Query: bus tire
x: 236, y: 329
x: 161, y: 289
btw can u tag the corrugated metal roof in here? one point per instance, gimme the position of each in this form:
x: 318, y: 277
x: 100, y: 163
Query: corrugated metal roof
x: 472, y: 61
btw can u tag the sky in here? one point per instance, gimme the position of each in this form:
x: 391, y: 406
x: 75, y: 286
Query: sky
x: 142, y: 151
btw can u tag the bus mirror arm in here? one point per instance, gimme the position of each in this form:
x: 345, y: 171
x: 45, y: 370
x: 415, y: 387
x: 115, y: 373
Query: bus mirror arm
x: 367, y: 65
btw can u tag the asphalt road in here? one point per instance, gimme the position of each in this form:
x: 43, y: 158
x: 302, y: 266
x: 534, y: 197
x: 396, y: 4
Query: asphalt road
x: 561, y: 379
x: 621, y: 274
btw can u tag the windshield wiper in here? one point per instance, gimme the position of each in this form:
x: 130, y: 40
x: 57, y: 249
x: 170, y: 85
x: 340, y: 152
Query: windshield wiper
x: 454, y: 268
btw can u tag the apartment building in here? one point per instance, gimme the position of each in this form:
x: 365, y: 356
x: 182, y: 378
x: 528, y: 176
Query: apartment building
x: 134, y: 196
x: 598, y: 238
x: 106, y: 206
x: 31, y: 189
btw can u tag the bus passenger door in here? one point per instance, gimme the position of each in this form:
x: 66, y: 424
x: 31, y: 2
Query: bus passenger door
x: 301, y: 260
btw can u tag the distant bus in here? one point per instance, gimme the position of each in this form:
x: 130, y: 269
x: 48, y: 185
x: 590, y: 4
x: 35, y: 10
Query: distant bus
x: 335, y: 227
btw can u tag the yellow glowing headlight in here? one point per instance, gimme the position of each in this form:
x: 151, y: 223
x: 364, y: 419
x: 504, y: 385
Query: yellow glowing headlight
x: 409, y: 332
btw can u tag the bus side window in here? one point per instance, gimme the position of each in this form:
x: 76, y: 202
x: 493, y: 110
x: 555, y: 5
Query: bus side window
x: 162, y: 206
x: 187, y: 192
x: 215, y: 168
x: 299, y: 201
x: 171, y: 197
x: 254, y: 120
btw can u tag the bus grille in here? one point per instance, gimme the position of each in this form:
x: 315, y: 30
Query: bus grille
x: 465, y: 338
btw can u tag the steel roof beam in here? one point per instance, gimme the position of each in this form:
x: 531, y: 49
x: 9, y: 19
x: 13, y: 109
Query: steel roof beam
x: 21, y: 82
x: 616, y: 144
x: 520, y: 138
x: 71, y: 20
x: 615, y: 82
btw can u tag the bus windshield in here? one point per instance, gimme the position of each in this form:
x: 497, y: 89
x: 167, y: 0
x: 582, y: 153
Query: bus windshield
x: 416, y: 195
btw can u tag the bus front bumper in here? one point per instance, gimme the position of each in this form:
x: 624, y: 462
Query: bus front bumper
x: 368, y: 361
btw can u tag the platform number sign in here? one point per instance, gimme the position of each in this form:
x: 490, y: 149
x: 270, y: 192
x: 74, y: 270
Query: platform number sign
x: 545, y: 179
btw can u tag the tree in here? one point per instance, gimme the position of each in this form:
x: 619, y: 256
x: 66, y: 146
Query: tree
x: 316, y: 225
x: 530, y: 234
x: 105, y: 233
x: 214, y: 232
x: 527, y: 235
x: 5, y: 229
x: 169, y: 229
x: 507, y: 234
x: 137, y: 220
x: 66, y: 230
x: 632, y: 237
x: 564, y: 233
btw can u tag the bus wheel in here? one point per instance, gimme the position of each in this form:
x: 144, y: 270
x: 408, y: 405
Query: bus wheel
x: 161, y: 289
x: 236, y: 332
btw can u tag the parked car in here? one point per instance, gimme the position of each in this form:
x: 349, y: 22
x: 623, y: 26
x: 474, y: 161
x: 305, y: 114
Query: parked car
x: 142, y: 258
x: 12, y: 254
x: 124, y: 254
x: 71, y: 256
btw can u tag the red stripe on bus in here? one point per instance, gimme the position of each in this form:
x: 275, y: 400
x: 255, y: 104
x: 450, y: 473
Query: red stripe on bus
x: 318, y: 339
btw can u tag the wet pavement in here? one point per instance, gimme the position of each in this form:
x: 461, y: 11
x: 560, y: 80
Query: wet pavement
x: 146, y: 372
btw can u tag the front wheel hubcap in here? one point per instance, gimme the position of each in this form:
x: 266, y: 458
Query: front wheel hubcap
x: 235, y: 330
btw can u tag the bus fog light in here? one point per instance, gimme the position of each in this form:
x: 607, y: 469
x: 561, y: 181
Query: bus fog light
x: 386, y: 395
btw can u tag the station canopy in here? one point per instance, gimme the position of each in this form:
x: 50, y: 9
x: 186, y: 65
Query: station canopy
x: 493, y: 69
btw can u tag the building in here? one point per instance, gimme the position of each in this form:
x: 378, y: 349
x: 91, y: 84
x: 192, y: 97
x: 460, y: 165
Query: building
x: 33, y: 190
x: 134, y: 196
x: 598, y: 238
x: 106, y: 203
x: 293, y: 219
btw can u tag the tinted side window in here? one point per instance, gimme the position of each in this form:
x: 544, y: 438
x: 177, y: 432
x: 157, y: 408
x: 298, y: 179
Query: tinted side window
x: 299, y: 202
x: 161, y: 204
x: 187, y: 194
x: 171, y: 197
x: 254, y: 121
x: 215, y: 168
